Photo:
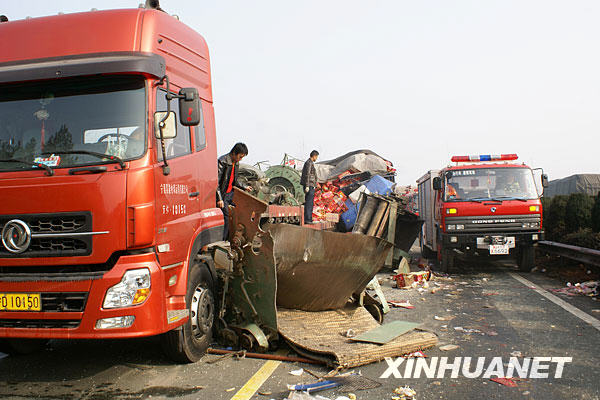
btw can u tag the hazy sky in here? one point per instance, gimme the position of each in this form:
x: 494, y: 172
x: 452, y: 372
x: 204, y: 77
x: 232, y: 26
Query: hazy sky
x: 415, y: 81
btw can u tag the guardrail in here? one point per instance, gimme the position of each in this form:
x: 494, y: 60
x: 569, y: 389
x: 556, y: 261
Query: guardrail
x: 581, y: 254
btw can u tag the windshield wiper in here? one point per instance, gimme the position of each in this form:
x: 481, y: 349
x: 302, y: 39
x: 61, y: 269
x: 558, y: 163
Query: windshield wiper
x: 90, y: 153
x: 512, y: 198
x: 49, y: 171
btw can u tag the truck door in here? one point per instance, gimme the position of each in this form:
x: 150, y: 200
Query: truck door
x: 177, y: 194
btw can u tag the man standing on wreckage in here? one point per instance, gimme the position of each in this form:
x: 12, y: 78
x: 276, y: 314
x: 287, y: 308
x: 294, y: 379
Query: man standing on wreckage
x: 309, y: 181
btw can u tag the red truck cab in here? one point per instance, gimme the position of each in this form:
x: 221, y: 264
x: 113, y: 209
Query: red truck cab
x: 483, y: 204
x: 103, y: 222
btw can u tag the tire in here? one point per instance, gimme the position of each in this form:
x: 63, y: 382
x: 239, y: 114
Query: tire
x: 22, y: 346
x: 526, y: 258
x: 426, y: 252
x: 189, y: 343
x: 447, y: 260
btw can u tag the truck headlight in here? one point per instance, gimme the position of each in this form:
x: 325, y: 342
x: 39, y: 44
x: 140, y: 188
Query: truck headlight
x: 460, y: 226
x: 451, y: 227
x: 133, y: 289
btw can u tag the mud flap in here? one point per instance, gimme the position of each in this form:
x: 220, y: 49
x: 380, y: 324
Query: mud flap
x: 318, y: 335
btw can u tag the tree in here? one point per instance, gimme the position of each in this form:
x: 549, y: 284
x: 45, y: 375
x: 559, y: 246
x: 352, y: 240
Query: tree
x: 554, y: 217
x: 578, y: 214
x: 596, y: 214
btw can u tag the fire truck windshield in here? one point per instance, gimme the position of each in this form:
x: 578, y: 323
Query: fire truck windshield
x: 72, y: 116
x: 480, y: 184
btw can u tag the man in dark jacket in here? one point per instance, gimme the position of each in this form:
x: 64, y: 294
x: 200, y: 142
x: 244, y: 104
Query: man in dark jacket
x: 309, y: 181
x: 228, y: 179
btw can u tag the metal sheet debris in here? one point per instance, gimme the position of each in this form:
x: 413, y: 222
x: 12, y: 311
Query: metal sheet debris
x: 386, y: 332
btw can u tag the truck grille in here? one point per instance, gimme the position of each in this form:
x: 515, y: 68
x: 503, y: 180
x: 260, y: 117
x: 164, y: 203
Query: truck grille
x: 64, y: 302
x: 496, y: 223
x: 53, y: 235
x: 40, y: 323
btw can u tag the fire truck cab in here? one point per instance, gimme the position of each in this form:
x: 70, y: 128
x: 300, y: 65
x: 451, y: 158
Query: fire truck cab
x: 485, y: 205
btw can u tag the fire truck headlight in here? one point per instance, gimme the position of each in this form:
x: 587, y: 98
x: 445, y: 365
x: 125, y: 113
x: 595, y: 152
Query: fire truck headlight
x: 133, y: 289
x: 453, y: 239
x: 460, y: 226
x: 534, y: 237
x: 451, y: 227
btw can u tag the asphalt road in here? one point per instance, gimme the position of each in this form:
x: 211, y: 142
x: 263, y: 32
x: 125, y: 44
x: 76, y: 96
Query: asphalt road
x: 495, y: 314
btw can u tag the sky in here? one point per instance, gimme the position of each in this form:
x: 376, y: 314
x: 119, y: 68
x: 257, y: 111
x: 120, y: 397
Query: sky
x: 414, y: 81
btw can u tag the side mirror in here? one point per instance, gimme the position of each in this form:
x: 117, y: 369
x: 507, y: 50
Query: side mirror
x: 544, y: 180
x: 189, y: 107
x: 169, y: 126
x: 437, y: 183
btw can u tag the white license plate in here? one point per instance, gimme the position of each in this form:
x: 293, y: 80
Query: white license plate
x: 498, y: 249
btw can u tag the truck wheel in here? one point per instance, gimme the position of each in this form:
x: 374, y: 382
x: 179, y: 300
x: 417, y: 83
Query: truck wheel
x: 22, y: 346
x: 426, y: 252
x: 526, y: 258
x: 447, y: 260
x: 189, y: 343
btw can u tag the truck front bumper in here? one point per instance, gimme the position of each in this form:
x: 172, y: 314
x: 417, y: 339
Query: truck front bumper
x: 471, y: 242
x: 77, y: 306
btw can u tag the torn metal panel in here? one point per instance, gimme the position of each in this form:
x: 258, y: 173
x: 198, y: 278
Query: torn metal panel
x: 320, y: 270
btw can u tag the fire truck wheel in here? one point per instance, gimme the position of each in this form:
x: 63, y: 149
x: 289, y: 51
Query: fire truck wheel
x: 526, y: 258
x: 22, y: 346
x: 189, y: 343
x: 447, y: 261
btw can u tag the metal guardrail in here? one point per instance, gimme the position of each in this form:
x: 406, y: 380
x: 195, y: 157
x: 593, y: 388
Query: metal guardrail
x: 581, y: 254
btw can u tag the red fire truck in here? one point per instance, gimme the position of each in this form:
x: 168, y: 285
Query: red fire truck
x: 486, y: 205
x: 107, y: 188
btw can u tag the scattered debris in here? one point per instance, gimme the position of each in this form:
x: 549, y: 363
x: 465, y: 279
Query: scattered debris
x: 516, y: 354
x: 589, y: 288
x: 350, y: 333
x: 504, y: 381
x: 304, y: 396
x: 265, y: 393
x: 445, y: 318
x: 386, y: 332
x: 403, y: 304
x: 230, y: 389
x: 297, y: 372
x: 416, y: 354
x: 314, y: 387
x: 467, y: 330
x: 412, y: 279
x: 405, y: 392
x: 491, y: 294
x: 449, y: 347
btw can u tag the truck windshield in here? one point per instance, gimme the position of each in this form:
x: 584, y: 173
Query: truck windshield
x: 480, y: 184
x: 56, y: 122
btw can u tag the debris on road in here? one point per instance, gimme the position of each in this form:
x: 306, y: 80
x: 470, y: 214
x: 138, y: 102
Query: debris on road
x: 416, y: 354
x: 449, y: 347
x: 504, y: 381
x: 516, y: 354
x: 402, y: 304
x: 589, y: 288
x: 297, y: 372
x: 444, y: 318
x: 386, y: 332
x: 405, y: 392
x: 412, y: 279
x: 314, y: 387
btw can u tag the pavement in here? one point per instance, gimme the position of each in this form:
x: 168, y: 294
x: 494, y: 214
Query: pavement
x: 487, y: 309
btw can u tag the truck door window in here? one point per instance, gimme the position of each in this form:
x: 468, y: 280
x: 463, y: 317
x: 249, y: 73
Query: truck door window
x: 96, y: 114
x: 199, y: 133
x: 181, y: 144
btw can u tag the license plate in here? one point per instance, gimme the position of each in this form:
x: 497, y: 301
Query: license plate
x: 20, y: 302
x: 498, y: 249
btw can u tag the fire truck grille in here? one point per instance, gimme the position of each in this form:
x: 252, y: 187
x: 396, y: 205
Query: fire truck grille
x: 51, y: 235
x: 40, y: 323
x: 64, y: 302
x: 496, y: 223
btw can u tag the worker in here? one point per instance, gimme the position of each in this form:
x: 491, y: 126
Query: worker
x: 228, y: 179
x: 309, y: 181
x: 451, y: 191
x: 511, y: 185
